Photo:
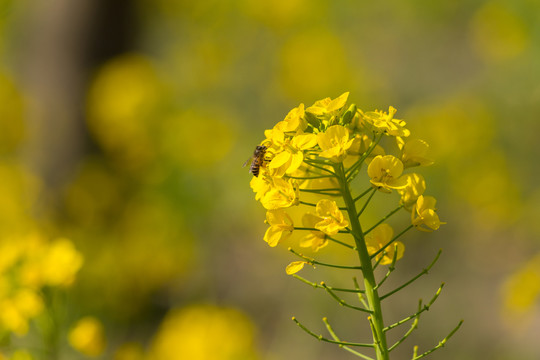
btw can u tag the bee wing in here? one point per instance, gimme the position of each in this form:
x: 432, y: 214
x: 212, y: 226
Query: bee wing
x: 249, y: 160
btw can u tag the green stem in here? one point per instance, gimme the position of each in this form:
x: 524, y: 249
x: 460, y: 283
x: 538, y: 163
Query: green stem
x: 370, y: 284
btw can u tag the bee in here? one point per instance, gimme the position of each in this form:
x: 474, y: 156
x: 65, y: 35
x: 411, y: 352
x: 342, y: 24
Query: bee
x: 257, y: 159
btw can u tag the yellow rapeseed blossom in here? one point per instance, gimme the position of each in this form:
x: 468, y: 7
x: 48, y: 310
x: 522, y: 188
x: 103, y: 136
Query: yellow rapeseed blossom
x: 326, y: 109
x: 88, y: 336
x: 292, y: 157
x: 334, y: 143
x: 423, y: 214
x: 385, y: 173
x: 378, y: 238
x: 414, y: 153
x: 416, y: 185
x: 281, y: 226
x: 282, y: 194
x: 332, y: 219
x: 314, y: 239
x: 294, y: 120
x: 385, y: 122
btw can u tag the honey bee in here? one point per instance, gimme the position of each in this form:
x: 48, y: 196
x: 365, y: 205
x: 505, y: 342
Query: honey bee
x: 257, y: 159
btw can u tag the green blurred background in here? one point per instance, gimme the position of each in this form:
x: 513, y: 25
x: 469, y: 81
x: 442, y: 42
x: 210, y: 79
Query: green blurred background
x: 124, y: 126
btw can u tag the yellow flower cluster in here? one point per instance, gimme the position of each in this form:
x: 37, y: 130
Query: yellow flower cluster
x: 27, y: 264
x: 299, y: 168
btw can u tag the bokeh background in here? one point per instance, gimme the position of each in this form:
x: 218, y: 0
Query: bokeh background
x: 124, y: 126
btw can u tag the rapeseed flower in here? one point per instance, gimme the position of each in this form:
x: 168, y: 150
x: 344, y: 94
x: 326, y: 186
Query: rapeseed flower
x: 380, y: 237
x: 384, y: 122
x: 334, y: 143
x: 314, y: 239
x: 385, y: 173
x: 423, y: 214
x: 332, y: 219
x: 281, y: 226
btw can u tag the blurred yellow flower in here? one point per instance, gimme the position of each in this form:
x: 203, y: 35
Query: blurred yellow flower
x: 497, y: 32
x: 281, y: 226
x: 377, y: 238
x: 121, y: 101
x: 61, y: 262
x: 334, y: 143
x: 521, y: 289
x: 204, y: 332
x: 88, y: 336
x: 332, y: 219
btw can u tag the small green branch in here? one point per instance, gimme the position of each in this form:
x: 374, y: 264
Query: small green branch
x: 424, y: 308
x: 341, y: 243
x: 378, y: 262
x: 383, y: 219
x: 391, y: 241
x: 391, y: 268
x: 362, y: 194
x: 423, y: 272
x: 322, y: 338
x: 315, y: 262
x: 343, y: 302
x: 315, y: 285
x: 356, y: 166
x: 336, y: 338
x: 322, y: 191
x: 313, y: 229
x: 308, y: 177
x: 367, y: 202
x: 441, y: 343
x: 414, y: 325
x: 312, y: 163
x: 360, y: 294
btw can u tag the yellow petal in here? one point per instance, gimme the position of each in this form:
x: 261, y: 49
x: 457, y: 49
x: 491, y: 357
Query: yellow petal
x: 294, y: 267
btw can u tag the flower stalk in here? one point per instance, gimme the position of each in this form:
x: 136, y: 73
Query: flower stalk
x: 370, y: 283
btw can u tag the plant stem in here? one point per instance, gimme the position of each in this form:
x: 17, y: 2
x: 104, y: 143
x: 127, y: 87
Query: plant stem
x: 371, y: 293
